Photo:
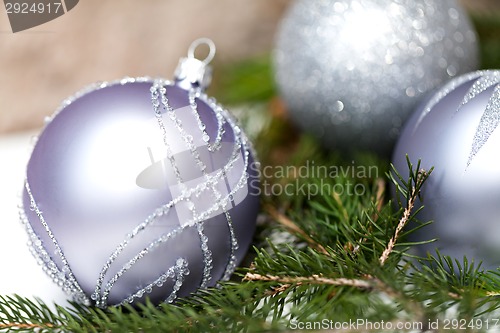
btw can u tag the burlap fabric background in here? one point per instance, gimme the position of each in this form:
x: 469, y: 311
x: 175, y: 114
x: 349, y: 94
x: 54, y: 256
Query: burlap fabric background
x: 109, y: 39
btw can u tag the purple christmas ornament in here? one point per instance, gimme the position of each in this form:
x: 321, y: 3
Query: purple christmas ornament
x: 141, y: 187
x: 456, y: 132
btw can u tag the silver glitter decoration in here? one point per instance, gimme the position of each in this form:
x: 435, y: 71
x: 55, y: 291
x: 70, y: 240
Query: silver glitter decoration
x: 490, y: 119
x: 488, y: 79
x: 457, y: 134
x: 351, y: 71
x: 489, y: 123
x: 62, y: 277
x: 443, y: 92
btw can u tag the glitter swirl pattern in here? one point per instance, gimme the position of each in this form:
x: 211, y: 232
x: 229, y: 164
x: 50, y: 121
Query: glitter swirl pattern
x: 222, y: 189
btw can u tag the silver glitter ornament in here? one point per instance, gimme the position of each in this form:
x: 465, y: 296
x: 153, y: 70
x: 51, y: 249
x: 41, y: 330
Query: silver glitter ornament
x: 141, y: 187
x: 456, y: 132
x: 351, y: 71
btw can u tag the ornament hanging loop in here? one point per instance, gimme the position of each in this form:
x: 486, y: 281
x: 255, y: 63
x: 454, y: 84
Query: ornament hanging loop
x: 192, y: 72
x: 200, y: 41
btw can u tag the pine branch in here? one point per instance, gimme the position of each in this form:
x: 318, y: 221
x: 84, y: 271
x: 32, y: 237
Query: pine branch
x: 293, y: 228
x: 414, y: 192
x: 303, y: 284
x: 368, y: 283
x: 356, y: 258
x: 313, y: 279
x: 493, y: 293
x: 25, y: 326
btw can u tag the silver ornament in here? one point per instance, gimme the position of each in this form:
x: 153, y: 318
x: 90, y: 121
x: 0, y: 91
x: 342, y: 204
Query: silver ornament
x: 141, y: 187
x: 456, y: 132
x: 351, y: 71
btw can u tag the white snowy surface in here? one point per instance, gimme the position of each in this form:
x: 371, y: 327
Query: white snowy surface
x: 19, y: 272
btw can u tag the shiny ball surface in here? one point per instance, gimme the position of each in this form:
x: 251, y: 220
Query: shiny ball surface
x: 140, y: 188
x: 456, y: 132
x: 351, y: 71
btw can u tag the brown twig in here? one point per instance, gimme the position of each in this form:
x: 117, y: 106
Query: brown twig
x: 366, y: 283
x: 402, y: 223
x: 379, y: 199
x: 493, y: 293
x: 292, y: 227
x: 313, y: 279
x: 404, y: 219
x: 24, y: 326
x: 279, y: 290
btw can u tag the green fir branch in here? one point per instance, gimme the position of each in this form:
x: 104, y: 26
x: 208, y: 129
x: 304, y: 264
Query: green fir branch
x: 339, y: 275
x: 318, y: 255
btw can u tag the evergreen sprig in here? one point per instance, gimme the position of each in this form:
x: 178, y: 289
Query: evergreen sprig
x: 354, y: 266
x: 328, y: 256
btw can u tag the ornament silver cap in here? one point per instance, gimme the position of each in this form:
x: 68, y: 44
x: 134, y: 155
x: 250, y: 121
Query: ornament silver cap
x: 192, y: 72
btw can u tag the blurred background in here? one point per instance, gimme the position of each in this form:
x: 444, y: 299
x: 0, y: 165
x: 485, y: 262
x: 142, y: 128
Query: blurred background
x: 106, y: 40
